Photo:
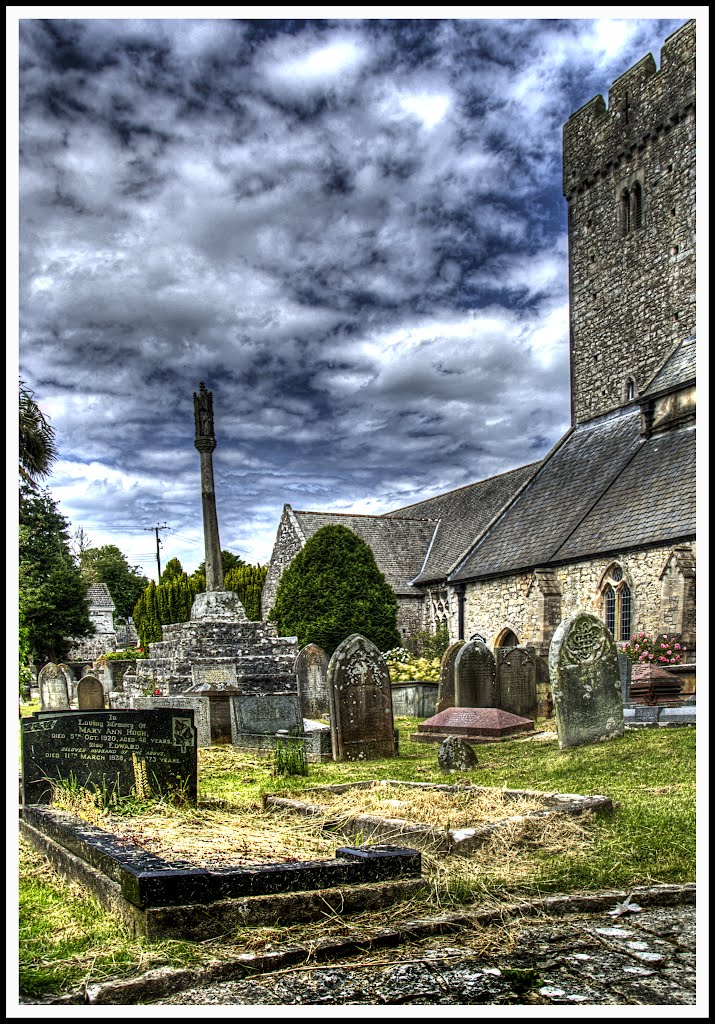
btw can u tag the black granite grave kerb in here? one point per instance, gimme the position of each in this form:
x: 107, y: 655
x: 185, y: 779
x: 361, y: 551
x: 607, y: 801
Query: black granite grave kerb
x: 146, y: 880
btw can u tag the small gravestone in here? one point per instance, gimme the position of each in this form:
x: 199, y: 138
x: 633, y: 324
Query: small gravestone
x: 87, y: 670
x: 475, y: 676
x: 585, y: 682
x: 445, y: 691
x: 90, y: 694
x: 516, y: 681
x: 265, y: 715
x: 625, y: 668
x: 311, y: 672
x: 123, y: 752
x: 53, y: 688
x: 71, y: 680
x: 455, y: 755
x: 361, y: 719
x: 199, y: 705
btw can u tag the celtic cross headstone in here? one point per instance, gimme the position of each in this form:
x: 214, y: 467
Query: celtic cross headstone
x: 585, y: 682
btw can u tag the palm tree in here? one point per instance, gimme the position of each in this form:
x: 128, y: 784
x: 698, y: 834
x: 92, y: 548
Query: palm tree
x: 37, y: 440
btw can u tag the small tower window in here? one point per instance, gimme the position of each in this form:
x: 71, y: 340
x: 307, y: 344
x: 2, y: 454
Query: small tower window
x: 624, y: 213
x: 630, y: 209
x: 629, y: 390
x: 637, y: 206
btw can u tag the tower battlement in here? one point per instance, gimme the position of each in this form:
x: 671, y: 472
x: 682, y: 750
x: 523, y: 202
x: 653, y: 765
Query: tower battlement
x: 642, y: 102
x: 629, y: 181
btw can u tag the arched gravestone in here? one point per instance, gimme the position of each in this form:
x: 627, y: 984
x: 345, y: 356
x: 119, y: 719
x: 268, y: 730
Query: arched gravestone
x: 311, y: 672
x: 585, y: 681
x: 516, y: 680
x: 90, y: 694
x: 53, y: 688
x: 71, y: 680
x: 445, y: 691
x: 475, y: 676
x: 361, y: 722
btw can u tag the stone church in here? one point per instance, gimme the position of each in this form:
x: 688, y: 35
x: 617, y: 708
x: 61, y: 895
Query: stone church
x: 606, y: 521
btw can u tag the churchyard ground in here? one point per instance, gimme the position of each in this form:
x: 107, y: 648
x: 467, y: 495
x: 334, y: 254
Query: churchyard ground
x: 68, y: 940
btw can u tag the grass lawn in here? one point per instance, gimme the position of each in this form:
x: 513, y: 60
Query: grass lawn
x: 67, y: 938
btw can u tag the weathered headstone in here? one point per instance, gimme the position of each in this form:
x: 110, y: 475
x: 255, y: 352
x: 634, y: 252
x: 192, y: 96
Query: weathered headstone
x: 625, y: 667
x: 455, y: 755
x: 361, y: 719
x: 311, y: 672
x: 585, y: 681
x: 516, y: 680
x: 90, y: 694
x: 199, y: 705
x: 145, y: 752
x: 71, y: 680
x: 446, y: 692
x: 475, y: 676
x: 265, y: 715
x: 53, y: 688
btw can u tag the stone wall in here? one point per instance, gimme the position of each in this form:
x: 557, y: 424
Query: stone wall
x: 632, y: 292
x: 289, y: 541
x: 517, y: 601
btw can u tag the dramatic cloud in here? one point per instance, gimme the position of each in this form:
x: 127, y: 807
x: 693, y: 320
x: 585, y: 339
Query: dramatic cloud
x: 351, y: 229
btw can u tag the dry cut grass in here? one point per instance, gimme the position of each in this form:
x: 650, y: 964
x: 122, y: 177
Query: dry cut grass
x: 440, y: 808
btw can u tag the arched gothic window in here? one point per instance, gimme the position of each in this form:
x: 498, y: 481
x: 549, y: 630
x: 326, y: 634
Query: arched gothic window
x: 507, y: 638
x: 617, y: 604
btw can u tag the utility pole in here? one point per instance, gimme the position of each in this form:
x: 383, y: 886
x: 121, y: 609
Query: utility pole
x: 159, y: 526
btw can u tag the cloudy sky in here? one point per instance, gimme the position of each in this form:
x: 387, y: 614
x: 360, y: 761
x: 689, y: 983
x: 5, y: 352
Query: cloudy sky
x: 351, y: 229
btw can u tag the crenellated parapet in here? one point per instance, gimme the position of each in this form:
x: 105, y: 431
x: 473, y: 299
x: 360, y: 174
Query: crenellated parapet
x: 629, y: 180
x: 642, y: 102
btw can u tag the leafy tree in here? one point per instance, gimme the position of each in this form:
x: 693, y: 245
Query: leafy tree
x: 107, y: 564
x: 228, y: 561
x: 53, y: 595
x: 333, y: 588
x: 37, y: 448
x: 247, y: 581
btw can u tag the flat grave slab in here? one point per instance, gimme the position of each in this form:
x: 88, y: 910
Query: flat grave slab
x: 475, y: 725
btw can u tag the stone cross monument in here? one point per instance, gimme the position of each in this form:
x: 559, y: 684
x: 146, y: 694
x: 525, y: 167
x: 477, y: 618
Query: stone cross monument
x: 215, y: 602
x: 205, y: 442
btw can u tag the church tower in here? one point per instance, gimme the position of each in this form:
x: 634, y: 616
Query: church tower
x: 629, y: 181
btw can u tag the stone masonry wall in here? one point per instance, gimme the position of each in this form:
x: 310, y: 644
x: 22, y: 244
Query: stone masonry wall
x: 514, y: 601
x: 632, y: 295
x: 288, y: 543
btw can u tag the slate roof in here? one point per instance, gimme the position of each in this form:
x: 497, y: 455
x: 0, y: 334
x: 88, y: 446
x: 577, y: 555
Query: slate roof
x: 677, y: 371
x: 605, y: 487
x: 462, y: 514
x: 99, y: 597
x: 399, y: 544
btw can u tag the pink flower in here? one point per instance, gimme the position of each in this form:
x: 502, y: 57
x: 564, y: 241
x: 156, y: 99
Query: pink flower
x: 677, y: 647
x: 651, y: 656
x: 661, y: 658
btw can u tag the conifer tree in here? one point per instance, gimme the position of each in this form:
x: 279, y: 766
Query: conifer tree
x: 333, y: 588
